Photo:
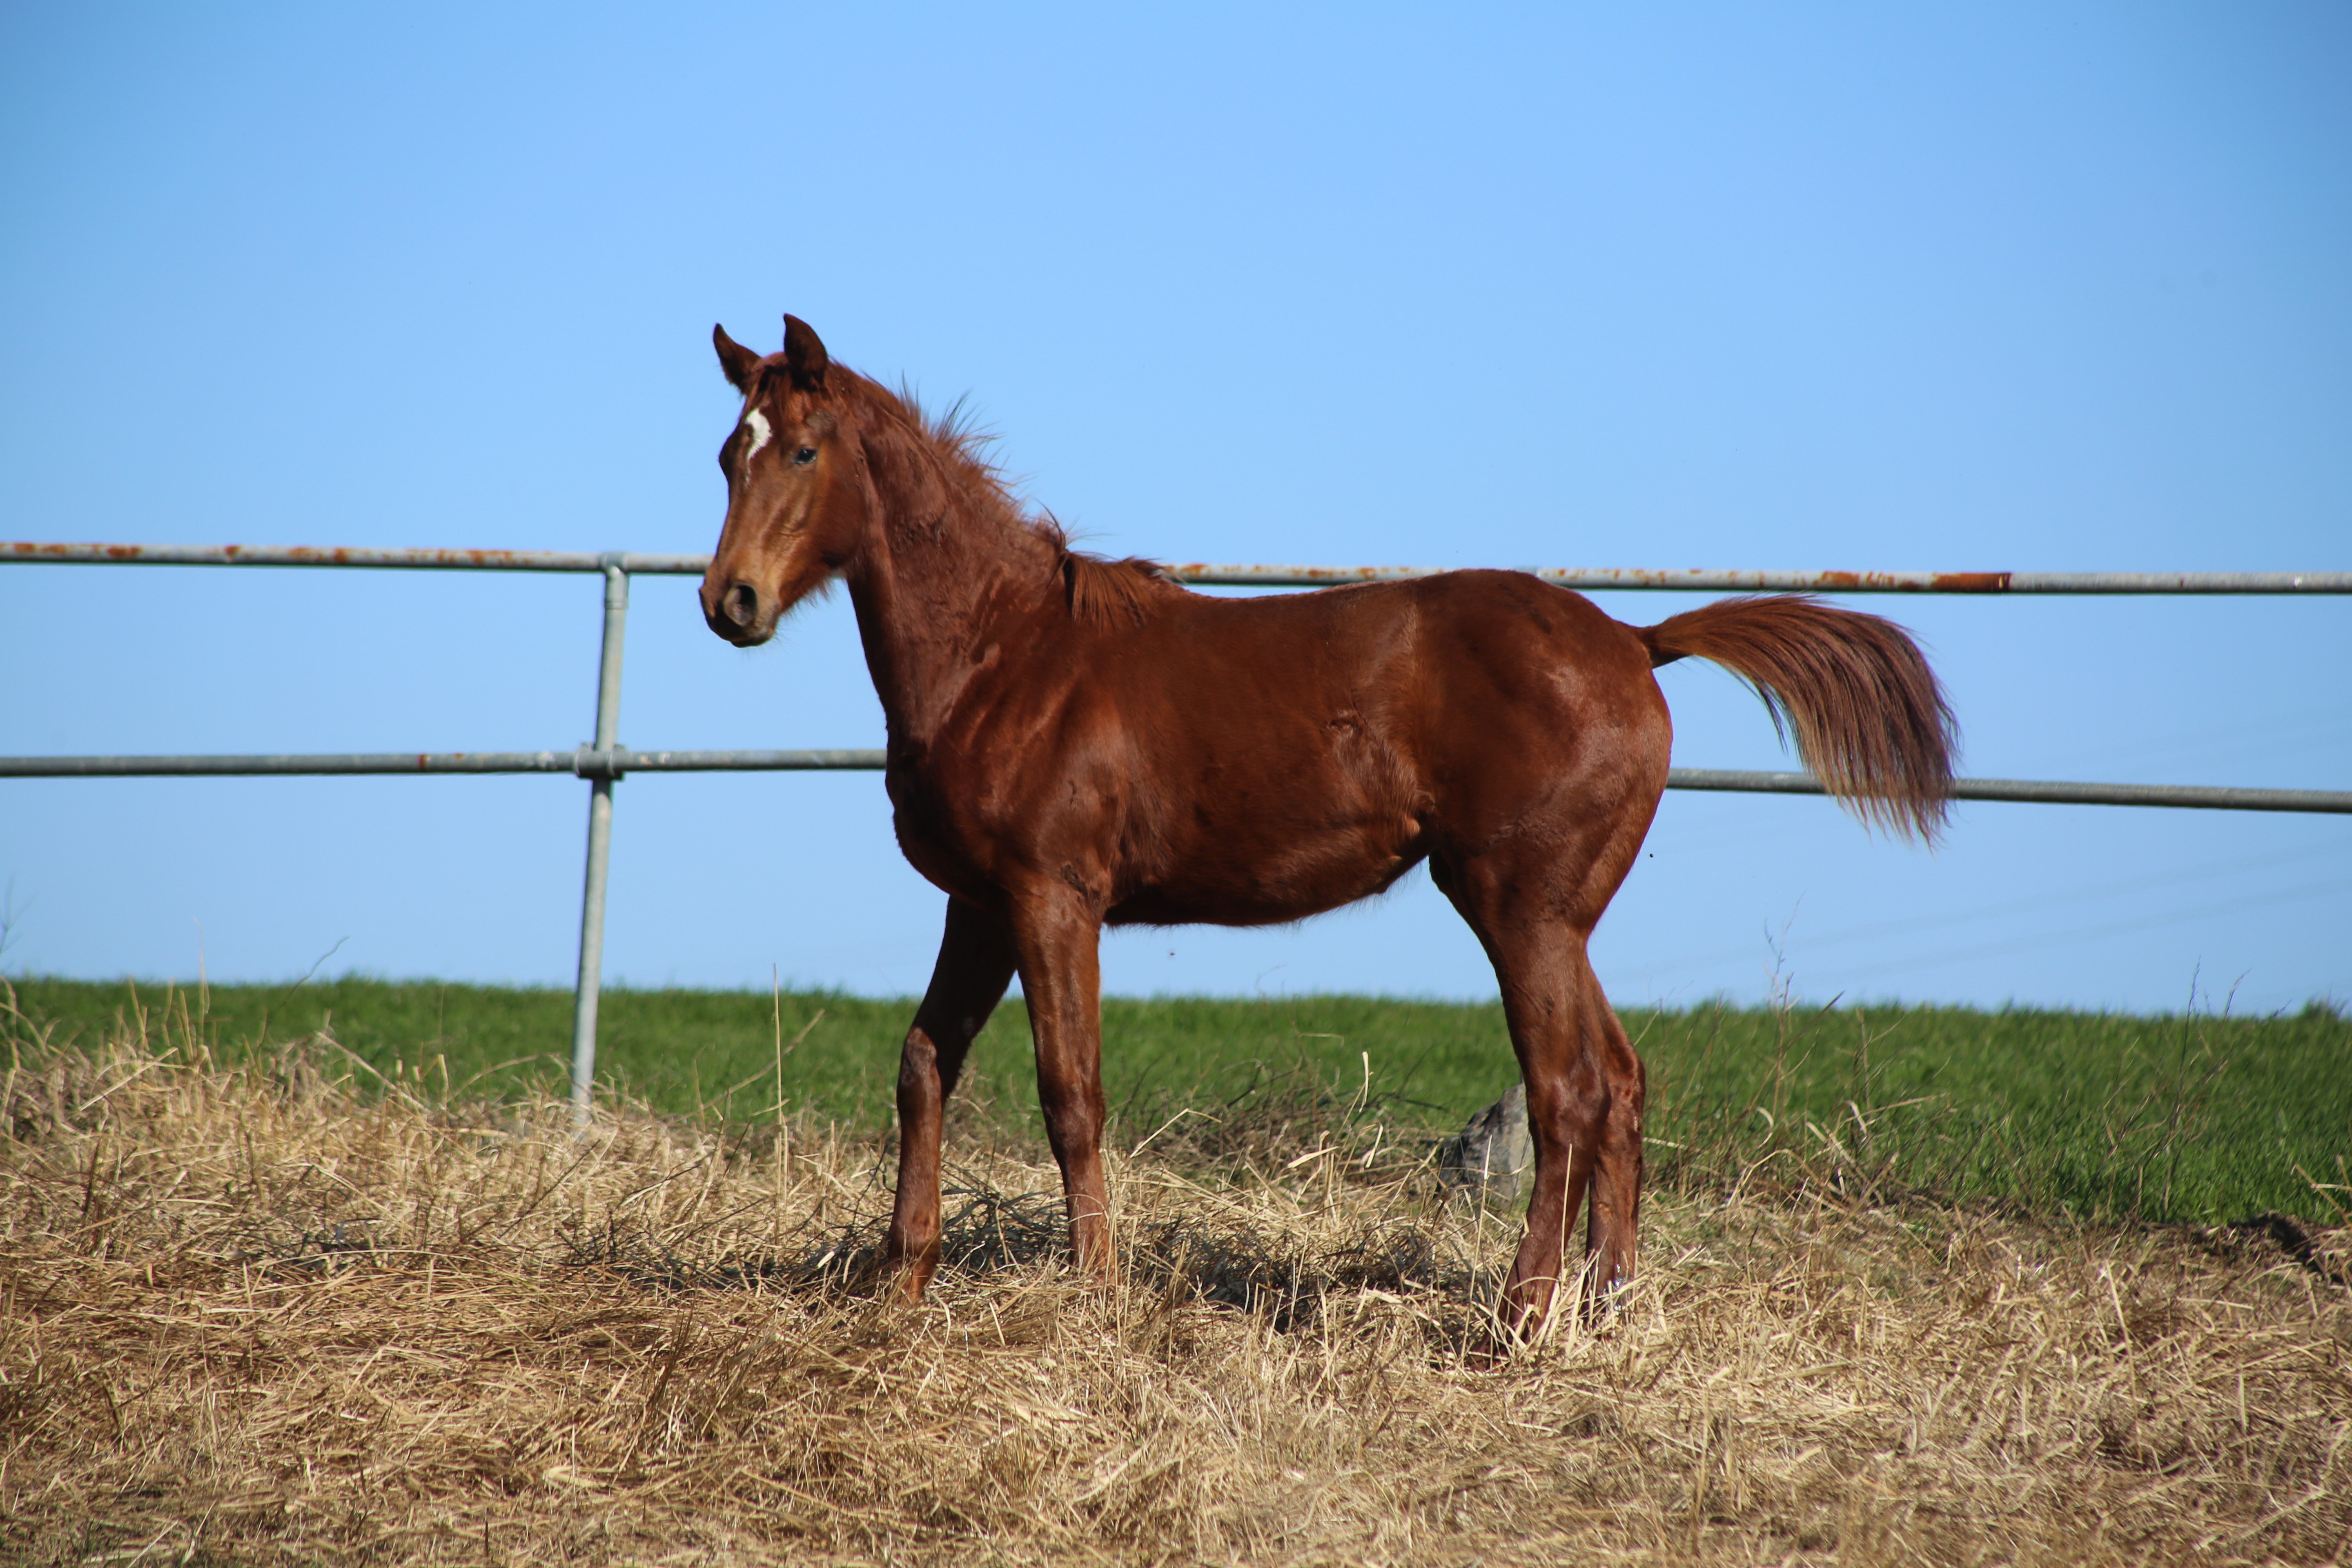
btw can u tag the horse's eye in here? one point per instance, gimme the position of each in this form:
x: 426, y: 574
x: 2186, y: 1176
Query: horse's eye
x: 804, y: 456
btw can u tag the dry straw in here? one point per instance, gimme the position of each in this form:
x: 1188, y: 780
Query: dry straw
x: 287, y: 1311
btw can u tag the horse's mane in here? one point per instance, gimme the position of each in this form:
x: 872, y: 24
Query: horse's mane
x: 1099, y: 591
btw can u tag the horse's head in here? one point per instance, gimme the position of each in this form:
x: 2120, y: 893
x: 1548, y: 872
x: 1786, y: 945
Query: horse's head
x: 794, y: 507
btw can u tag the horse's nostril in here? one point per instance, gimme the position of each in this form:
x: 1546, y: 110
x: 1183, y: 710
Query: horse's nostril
x: 742, y: 604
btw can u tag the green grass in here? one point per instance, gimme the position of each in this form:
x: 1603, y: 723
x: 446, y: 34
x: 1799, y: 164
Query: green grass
x: 2093, y: 1116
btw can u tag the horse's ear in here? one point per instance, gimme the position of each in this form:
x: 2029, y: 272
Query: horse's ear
x: 740, y: 363
x: 804, y: 354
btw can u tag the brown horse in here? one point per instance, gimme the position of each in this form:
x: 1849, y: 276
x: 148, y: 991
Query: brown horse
x: 1075, y: 741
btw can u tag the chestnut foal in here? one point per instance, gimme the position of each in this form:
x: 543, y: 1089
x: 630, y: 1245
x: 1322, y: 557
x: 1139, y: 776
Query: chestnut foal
x: 1075, y: 741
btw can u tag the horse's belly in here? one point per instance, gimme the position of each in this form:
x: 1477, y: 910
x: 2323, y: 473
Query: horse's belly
x: 1214, y: 888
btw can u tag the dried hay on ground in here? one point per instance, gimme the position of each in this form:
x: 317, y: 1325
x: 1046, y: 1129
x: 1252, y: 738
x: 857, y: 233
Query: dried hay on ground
x: 257, y: 1316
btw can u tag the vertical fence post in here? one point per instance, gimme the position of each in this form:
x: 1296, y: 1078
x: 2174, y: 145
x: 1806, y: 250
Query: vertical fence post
x: 599, y: 841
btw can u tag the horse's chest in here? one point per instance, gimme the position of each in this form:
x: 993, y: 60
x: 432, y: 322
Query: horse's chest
x: 968, y: 830
x: 929, y: 835
x: 941, y: 859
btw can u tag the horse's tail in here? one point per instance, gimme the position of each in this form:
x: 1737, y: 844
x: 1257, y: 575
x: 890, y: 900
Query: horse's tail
x: 1871, y: 721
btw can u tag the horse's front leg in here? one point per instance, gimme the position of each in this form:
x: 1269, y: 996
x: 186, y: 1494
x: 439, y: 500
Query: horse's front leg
x: 1059, y: 935
x: 975, y: 965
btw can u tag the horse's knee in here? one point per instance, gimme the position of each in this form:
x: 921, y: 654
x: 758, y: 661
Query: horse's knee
x: 919, y: 1061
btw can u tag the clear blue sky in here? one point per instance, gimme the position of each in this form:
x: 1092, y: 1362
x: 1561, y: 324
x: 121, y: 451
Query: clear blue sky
x: 1981, y: 287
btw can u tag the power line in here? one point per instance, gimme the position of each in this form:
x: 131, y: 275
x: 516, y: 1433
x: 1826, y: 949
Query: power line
x: 2302, y: 853
x: 2123, y: 927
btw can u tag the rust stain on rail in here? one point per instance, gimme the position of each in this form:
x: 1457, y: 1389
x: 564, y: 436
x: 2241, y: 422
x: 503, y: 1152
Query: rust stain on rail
x: 1937, y: 583
x: 1693, y: 578
x: 281, y: 554
x: 1180, y: 569
x: 349, y: 555
x: 1311, y: 574
x: 30, y: 550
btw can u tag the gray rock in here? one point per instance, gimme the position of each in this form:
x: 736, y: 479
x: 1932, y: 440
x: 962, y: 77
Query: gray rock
x: 1493, y: 1156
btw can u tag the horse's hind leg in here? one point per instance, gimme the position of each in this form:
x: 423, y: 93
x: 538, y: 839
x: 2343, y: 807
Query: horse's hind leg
x: 975, y: 965
x: 1612, y: 1235
x: 1584, y: 1112
x: 1585, y: 1091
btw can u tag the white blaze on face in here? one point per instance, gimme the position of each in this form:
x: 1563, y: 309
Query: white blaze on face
x: 756, y: 422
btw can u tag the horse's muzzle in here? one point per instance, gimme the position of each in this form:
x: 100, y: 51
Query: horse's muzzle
x: 737, y: 615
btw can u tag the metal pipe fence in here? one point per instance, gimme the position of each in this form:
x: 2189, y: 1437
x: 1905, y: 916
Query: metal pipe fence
x: 1207, y: 574
x: 606, y: 762
x: 606, y: 765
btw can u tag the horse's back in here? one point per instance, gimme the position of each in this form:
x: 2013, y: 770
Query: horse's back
x: 1327, y: 741
x: 1447, y: 665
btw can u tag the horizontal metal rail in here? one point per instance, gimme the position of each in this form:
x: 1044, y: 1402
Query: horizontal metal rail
x: 2206, y: 798
x: 1705, y: 582
x: 589, y: 762
x: 585, y: 762
x: 1209, y: 574
x: 347, y: 555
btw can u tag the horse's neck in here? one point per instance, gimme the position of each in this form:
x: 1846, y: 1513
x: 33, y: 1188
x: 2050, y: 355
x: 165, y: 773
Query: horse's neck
x: 943, y: 574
